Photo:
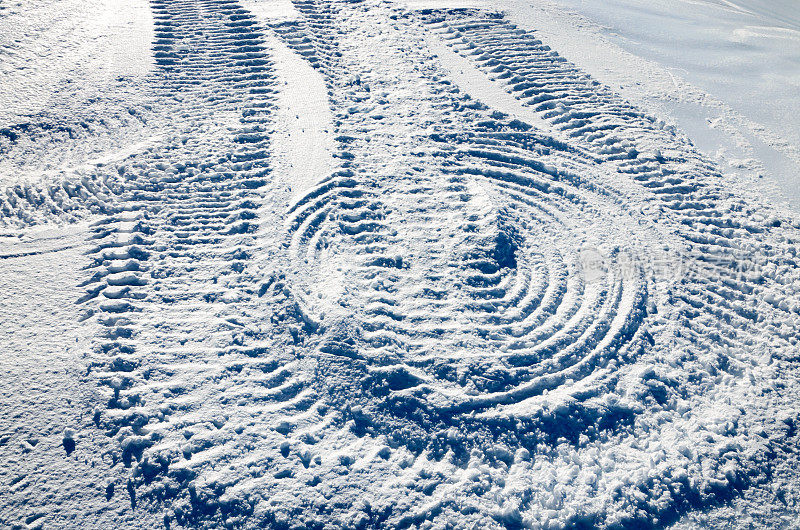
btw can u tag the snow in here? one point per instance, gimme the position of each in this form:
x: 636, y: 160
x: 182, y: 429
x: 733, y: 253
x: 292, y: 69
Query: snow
x: 725, y: 72
x: 335, y: 264
x: 304, y: 142
x: 53, y: 52
x: 46, y: 402
x: 743, y: 53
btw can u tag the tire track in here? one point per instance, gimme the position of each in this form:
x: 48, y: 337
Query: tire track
x: 457, y: 284
x: 473, y: 320
x: 724, y: 246
x: 720, y: 230
x: 187, y: 341
x: 466, y: 274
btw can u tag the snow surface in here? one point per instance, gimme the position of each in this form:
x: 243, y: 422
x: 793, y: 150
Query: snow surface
x: 53, y: 51
x: 743, y: 53
x: 336, y: 264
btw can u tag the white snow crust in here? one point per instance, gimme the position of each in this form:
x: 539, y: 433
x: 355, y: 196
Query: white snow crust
x: 317, y: 264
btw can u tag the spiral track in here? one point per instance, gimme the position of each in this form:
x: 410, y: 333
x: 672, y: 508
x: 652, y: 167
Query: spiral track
x: 487, y: 282
x: 504, y: 291
x: 463, y: 322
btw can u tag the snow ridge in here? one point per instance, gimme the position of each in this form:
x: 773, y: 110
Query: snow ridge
x: 177, y: 249
x: 473, y: 321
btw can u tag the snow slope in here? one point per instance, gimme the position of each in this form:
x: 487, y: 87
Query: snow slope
x: 387, y: 265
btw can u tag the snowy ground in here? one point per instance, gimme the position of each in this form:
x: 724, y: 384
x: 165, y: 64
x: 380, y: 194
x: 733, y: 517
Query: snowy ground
x: 392, y: 264
x: 726, y: 73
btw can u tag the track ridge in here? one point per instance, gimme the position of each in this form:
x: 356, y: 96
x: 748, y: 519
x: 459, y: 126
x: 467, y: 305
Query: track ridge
x: 539, y: 312
x: 172, y: 266
x: 471, y: 319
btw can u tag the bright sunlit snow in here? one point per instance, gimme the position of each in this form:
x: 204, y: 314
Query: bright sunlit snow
x: 312, y: 264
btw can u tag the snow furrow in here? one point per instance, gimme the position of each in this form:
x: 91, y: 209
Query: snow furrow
x: 405, y: 307
x: 168, y: 278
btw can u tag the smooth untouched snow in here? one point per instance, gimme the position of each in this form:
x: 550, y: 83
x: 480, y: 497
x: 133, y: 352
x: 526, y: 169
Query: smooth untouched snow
x: 55, y: 53
x: 726, y: 72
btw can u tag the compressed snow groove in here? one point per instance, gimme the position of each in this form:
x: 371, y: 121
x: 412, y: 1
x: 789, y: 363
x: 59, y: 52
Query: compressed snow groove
x: 176, y: 249
x: 471, y: 322
x: 481, y: 296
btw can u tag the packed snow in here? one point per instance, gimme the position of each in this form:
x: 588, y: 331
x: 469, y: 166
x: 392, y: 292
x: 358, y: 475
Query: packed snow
x: 399, y: 264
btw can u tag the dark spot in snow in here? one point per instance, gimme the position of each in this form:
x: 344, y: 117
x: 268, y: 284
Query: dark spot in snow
x: 69, y: 445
